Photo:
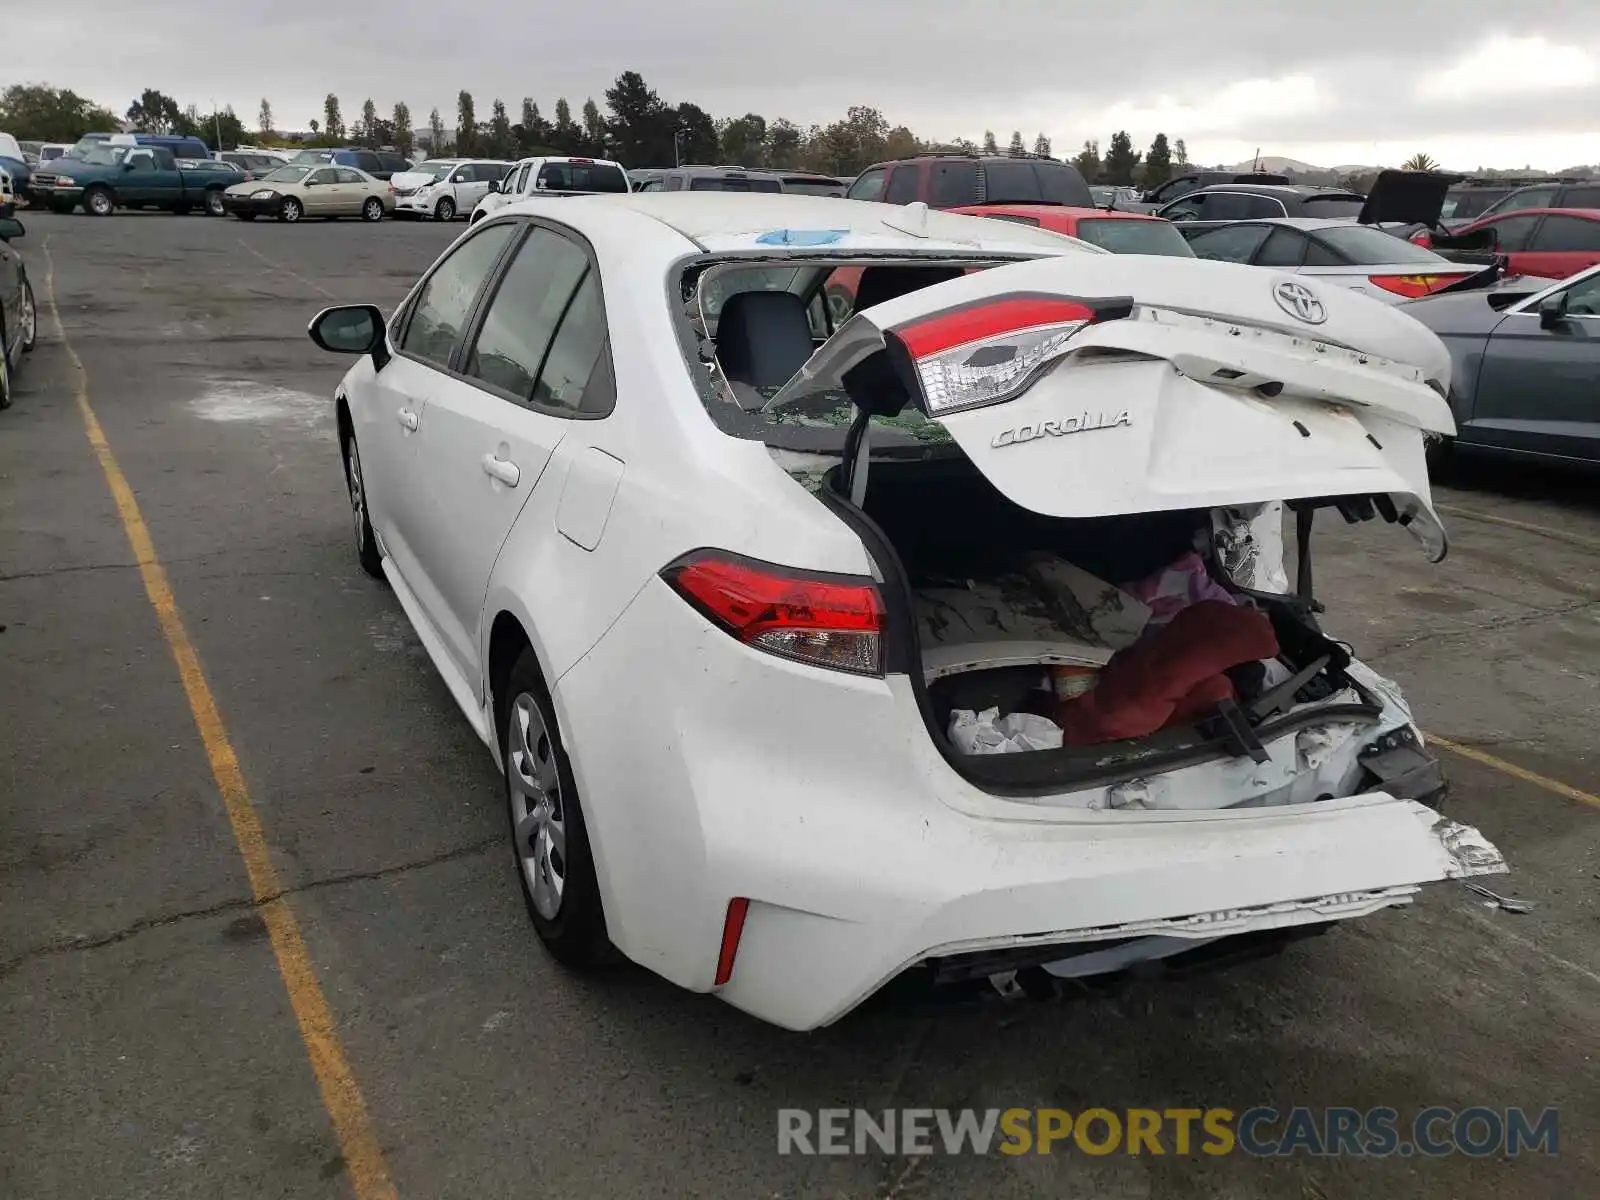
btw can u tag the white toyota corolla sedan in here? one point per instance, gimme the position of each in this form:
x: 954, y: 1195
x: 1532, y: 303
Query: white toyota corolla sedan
x: 955, y: 640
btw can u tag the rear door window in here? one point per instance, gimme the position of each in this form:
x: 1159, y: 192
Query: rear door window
x: 952, y: 182
x: 1241, y: 206
x: 1283, y: 248
x: 868, y: 185
x: 1539, y: 197
x: 1235, y: 243
x: 1581, y: 197
x: 1566, y: 233
x: 1196, y: 206
x: 522, y: 317
x: 903, y: 182
x: 1011, y: 183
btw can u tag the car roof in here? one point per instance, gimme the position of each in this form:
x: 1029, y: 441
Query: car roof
x: 1055, y: 210
x: 745, y: 217
x: 1280, y: 189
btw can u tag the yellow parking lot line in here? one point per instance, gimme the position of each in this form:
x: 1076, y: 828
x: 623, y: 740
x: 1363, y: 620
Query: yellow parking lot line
x: 363, y: 1157
x: 1507, y: 768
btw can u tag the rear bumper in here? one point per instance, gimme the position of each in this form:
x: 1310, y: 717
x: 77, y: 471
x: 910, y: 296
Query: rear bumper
x: 820, y: 798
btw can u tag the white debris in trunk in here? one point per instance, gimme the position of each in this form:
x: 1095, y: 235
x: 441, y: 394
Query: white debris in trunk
x: 990, y: 733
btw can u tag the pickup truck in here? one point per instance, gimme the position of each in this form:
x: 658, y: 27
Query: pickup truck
x: 104, y: 177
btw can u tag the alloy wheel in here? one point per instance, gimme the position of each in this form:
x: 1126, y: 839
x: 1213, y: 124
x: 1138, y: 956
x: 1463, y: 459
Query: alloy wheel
x: 29, y: 325
x: 358, y: 496
x: 538, y: 818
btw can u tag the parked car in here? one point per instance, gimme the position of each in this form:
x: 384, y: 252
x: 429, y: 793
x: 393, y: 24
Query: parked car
x: 19, y: 312
x: 812, y: 185
x: 445, y: 188
x: 180, y: 145
x: 298, y: 190
x: 1180, y: 186
x: 552, y: 176
x: 1471, y: 198
x: 712, y: 179
x: 15, y: 163
x: 1118, y: 232
x: 1525, y: 369
x: 957, y: 180
x: 1552, y: 242
x: 50, y: 151
x: 253, y: 163
x: 683, y: 571
x: 107, y: 176
x: 379, y: 164
x: 1219, y: 204
x: 1547, y: 194
x: 1122, y: 199
x: 1343, y: 253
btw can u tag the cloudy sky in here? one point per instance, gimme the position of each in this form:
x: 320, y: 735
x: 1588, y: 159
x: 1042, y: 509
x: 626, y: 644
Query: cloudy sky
x: 1472, y: 82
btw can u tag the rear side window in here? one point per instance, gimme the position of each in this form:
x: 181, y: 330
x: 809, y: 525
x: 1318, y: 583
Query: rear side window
x: 1061, y: 184
x: 903, y: 181
x: 576, y: 374
x: 1581, y: 197
x: 1241, y: 206
x: 1122, y: 235
x: 1567, y: 233
x: 346, y: 175
x: 440, y: 312
x: 868, y: 185
x: 1365, y: 246
x: 583, y: 177
x: 392, y: 162
x: 1539, y: 197
x: 522, y: 318
x: 189, y: 150
x: 1512, y: 233
x: 1283, y: 248
x: 952, y: 182
x: 1011, y: 183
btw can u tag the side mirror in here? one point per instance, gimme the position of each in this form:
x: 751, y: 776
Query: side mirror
x: 350, y: 329
x: 458, y: 177
x: 1552, y: 310
x: 494, y: 185
x: 10, y: 228
x: 127, y: 166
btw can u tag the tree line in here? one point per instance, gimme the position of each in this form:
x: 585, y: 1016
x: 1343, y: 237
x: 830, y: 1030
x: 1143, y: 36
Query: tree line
x: 637, y: 127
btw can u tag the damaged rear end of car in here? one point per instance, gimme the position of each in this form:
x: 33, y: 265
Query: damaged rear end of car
x: 1122, y: 733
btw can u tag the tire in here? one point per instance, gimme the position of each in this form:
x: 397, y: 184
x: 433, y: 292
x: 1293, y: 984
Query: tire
x: 98, y: 202
x: 549, y: 840
x: 291, y: 210
x: 29, y: 331
x: 372, y: 210
x: 367, y: 553
x: 1440, y: 453
x: 214, y: 205
x: 446, y: 211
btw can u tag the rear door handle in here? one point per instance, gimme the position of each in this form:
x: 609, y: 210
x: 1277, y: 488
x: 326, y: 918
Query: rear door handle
x: 407, y: 418
x: 507, y: 473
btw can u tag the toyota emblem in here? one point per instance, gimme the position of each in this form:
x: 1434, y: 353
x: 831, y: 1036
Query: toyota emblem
x: 1300, y: 302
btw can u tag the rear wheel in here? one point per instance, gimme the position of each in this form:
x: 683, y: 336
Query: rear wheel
x: 28, y: 330
x: 548, y: 835
x: 291, y: 211
x: 372, y: 210
x: 446, y: 211
x: 97, y: 202
x: 214, y: 205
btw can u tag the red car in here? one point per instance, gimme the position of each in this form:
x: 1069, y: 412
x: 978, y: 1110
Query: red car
x: 1549, y: 242
x: 1118, y: 232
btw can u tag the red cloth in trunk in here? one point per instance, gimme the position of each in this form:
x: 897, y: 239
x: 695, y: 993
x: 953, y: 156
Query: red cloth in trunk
x: 1175, y: 673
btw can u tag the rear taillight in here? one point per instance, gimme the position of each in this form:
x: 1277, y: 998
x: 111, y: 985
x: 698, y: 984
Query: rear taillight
x: 829, y: 621
x: 989, y: 352
x: 1412, y: 286
x: 1422, y: 238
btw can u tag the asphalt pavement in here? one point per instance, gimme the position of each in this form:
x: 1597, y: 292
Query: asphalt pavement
x: 150, y: 1045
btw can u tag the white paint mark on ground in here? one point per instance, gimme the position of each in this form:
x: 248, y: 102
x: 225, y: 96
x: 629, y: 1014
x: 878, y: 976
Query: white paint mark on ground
x: 496, y: 1020
x: 236, y: 400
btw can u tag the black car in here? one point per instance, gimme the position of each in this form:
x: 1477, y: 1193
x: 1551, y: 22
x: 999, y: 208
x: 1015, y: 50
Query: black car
x: 1562, y: 193
x: 1192, y: 181
x: 1221, y: 203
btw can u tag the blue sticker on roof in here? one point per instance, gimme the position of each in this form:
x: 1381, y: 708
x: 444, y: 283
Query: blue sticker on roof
x: 801, y: 237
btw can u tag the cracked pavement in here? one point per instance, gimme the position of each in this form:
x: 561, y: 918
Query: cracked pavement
x: 150, y: 1049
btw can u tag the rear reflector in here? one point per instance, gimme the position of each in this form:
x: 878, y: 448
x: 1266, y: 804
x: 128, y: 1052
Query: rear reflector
x: 833, y: 621
x: 732, y: 930
x: 992, y: 351
x: 1414, y: 286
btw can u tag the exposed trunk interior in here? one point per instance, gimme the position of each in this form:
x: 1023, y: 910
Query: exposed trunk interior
x: 949, y: 528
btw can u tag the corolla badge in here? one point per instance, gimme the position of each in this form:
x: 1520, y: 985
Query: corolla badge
x: 1300, y: 302
x: 1082, y: 424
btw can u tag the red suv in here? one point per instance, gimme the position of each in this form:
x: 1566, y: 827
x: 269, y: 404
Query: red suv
x: 957, y: 180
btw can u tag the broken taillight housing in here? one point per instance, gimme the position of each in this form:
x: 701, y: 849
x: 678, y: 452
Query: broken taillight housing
x: 990, y: 352
x: 1412, y: 286
x: 833, y: 621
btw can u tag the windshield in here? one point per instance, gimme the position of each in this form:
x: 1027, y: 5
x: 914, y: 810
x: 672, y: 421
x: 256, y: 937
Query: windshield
x: 1134, y: 237
x: 433, y: 170
x: 732, y: 183
x: 1366, y: 246
x: 1333, y: 206
x: 285, y: 175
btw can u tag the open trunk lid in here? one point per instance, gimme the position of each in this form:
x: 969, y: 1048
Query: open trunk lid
x: 1142, y: 384
x: 1407, y: 198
